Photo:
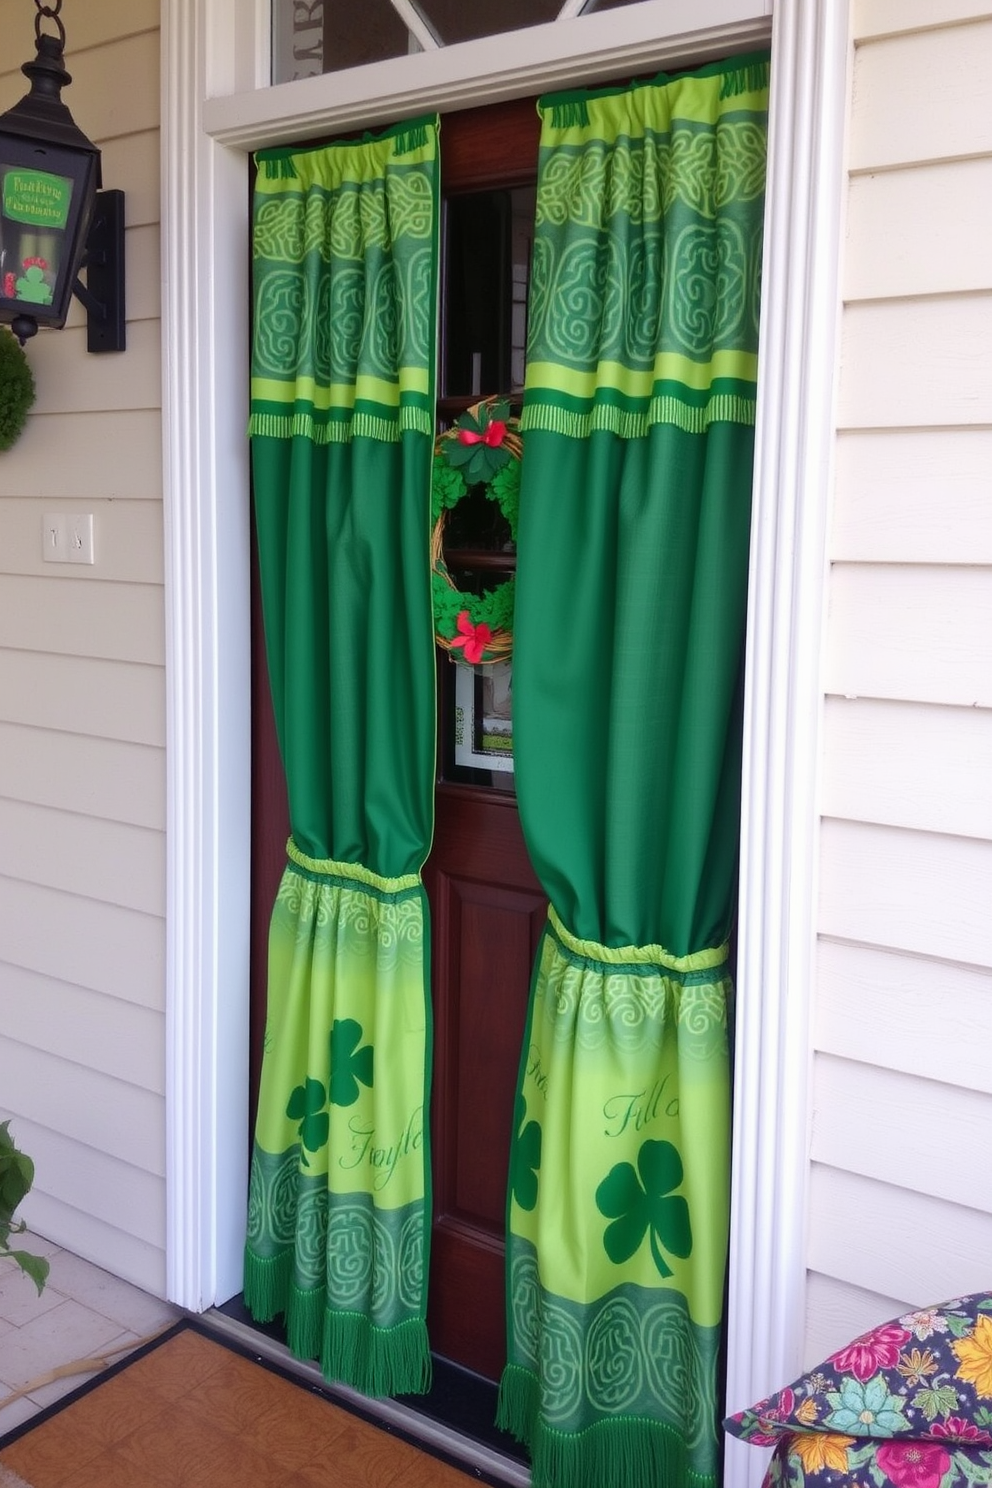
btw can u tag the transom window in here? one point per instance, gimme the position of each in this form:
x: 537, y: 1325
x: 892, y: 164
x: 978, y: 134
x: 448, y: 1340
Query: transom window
x: 314, y: 36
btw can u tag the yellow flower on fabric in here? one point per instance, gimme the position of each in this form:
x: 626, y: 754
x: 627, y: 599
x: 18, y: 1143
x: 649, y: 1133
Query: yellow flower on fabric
x: 916, y: 1365
x: 975, y: 1354
x: 806, y: 1412
x: 820, y: 1451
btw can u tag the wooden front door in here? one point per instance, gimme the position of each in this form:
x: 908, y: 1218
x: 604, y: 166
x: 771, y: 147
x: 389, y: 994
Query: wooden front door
x: 487, y: 907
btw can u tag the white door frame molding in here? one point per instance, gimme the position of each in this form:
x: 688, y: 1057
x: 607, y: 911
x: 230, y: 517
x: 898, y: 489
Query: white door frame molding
x: 215, y: 109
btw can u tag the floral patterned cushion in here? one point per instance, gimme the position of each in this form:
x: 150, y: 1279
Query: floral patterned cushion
x: 927, y: 1375
x: 820, y: 1460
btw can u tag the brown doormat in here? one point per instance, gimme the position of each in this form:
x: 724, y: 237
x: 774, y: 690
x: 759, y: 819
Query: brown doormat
x: 192, y: 1411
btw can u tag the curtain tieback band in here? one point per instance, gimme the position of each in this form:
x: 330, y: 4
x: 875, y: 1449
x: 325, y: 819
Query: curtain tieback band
x: 653, y: 955
x: 328, y: 868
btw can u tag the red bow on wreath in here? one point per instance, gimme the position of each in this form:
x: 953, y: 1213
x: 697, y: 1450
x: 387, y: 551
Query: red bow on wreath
x: 493, y: 436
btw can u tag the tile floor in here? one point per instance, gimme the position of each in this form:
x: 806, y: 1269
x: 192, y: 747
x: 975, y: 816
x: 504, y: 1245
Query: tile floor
x: 82, y: 1314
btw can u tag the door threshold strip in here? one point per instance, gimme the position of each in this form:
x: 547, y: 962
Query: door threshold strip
x: 472, y: 1456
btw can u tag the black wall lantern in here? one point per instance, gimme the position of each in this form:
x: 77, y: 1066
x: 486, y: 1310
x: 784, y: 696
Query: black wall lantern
x: 54, y: 219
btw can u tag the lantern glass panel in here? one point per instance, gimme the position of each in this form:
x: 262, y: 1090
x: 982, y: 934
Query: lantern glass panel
x: 34, y: 211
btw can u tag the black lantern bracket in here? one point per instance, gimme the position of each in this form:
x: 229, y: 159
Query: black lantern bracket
x: 102, y: 296
x: 55, y: 220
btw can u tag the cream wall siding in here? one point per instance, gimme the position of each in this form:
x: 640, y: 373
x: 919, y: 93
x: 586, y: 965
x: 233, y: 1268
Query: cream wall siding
x: 82, y: 712
x: 900, y: 1210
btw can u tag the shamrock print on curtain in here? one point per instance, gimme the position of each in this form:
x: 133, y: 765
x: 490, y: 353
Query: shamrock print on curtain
x: 342, y: 424
x: 630, y: 614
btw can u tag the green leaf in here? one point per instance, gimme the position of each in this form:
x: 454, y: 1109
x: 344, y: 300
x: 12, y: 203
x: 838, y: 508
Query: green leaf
x: 959, y: 1326
x: 940, y: 1400
x: 34, y: 1266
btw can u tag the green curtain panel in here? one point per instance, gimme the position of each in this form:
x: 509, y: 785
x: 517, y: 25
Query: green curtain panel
x: 630, y: 616
x: 342, y: 424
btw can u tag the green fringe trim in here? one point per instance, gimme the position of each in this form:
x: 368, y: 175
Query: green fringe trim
x: 414, y: 138
x: 619, y: 1452
x: 376, y: 1361
x: 305, y: 1321
x: 360, y: 425
x: 569, y: 113
x: 279, y: 168
x: 266, y: 1284
x: 722, y: 408
x: 751, y: 78
x: 351, y: 1349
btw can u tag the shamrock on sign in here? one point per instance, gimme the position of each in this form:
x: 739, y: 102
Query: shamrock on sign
x: 642, y: 1203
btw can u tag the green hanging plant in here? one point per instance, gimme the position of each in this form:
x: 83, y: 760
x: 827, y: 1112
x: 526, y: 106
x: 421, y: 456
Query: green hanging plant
x: 16, y: 388
x: 16, y: 1177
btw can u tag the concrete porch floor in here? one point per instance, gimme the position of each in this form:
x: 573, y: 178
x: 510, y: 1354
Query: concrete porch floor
x: 83, y: 1314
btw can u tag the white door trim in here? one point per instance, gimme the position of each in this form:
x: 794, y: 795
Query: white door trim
x: 213, y: 112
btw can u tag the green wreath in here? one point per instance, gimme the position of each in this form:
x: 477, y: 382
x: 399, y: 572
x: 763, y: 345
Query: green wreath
x: 16, y: 388
x: 481, y: 450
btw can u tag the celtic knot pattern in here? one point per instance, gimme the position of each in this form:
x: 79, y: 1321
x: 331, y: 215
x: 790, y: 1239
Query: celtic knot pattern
x: 646, y: 245
x: 692, y: 292
x: 280, y: 315
x: 375, y: 1259
x: 633, y: 1351
x: 311, y: 1236
x: 344, y: 271
x: 410, y: 1264
x: 562, y: 1374
x: 614, y: 1362
x: 525, y: 1306
x: 350, y: 1255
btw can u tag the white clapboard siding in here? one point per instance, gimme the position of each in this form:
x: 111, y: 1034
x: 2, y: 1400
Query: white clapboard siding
x: 143, y: 279
x: 106, y: 1245
x: 873, y: 19
x: 114, y: 89
x: 113, y: 1116
x: 908, y: 765
x: 921, y: 362
x: 82, y: 711
x: 919, y: 232
x: 127, y: 538
x: 895, y: 1241
x: 77, y: 695
x: 916, y: 1134
x: 839, y: 1313
x: 909, y: 891
x: 131, y: 163
x: 91, y: 944
x: 923, y: 96
x: 130, y: 379
x: 108, y: 778
x: 913, y: 495
x: 905, y: 631
x: 83, y: 616
x: 103, y: 1033
x: 904, y: 1012
x: 84, y: 1178
x: 87, y: 456
x: 87, y: 25
x: 84, y: 855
